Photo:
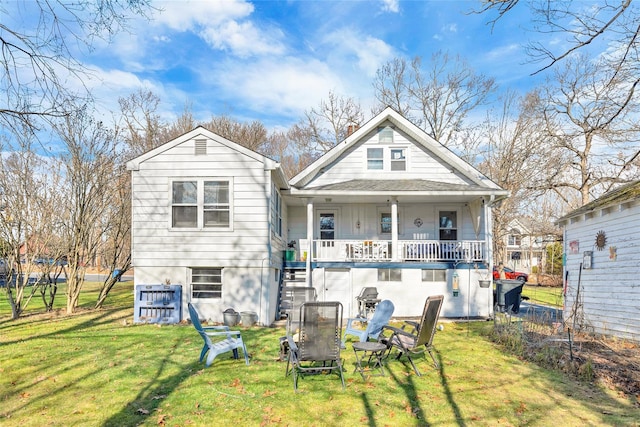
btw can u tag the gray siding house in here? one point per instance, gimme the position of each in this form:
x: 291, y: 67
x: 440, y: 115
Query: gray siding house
x: 388, y: 207
x: 602, y: 264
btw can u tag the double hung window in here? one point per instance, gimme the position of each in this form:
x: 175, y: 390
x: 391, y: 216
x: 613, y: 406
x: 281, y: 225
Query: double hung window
x: 375, y: 158
x: 199, y: 203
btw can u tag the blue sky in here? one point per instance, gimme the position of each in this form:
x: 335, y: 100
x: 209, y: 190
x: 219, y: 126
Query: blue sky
x: 272, y: 60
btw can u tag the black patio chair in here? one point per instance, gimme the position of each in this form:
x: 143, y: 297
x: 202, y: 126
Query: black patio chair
x: 315, y: 349
x: 415, y: 337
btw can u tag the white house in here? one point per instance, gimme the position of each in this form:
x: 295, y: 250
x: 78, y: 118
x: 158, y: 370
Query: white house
x: 525, y: 244
x: 387, y: 207
x: 602, y: 291
x: 206, y: 214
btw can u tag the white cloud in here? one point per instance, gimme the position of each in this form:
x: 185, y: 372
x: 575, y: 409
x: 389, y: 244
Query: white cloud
x: 286, y: 86
x: 243, y: 39
x: 189, y: 15
x: 391, y: 6
x: 224, y: 25
x: 365, y: 53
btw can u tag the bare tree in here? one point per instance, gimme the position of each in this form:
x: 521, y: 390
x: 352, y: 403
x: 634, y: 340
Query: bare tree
x: 28, y: 194
x: 516, y: 155
x: 251, y: 135
x: 38, y: 62
x: 183, y: 124
x: 590, y: 114
x: 88, y: 161
x: 292, y: 149
x: 116, y: 238
x: 331, y: 122
x: 600, y: 26
x: 142, y: 126
x: 438, y: 96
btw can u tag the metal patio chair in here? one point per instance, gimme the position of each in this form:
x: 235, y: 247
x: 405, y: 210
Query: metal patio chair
x: 415, y: 337
x: 317, y: 347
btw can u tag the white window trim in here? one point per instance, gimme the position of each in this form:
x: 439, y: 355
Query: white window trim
x: 387, y: 209
x: 200, y: 204
x: 406, y: 158
x: 366, y: 165
x: 276, y: 210
x: 459, y: 219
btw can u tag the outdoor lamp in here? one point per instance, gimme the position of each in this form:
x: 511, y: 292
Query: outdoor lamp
x: 455, y: 284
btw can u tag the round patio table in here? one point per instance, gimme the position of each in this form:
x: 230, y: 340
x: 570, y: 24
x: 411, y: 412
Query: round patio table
x: 369, y: 358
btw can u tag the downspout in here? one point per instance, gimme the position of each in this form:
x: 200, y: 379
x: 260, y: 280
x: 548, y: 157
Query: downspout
x: 268, y: 188
x: 262, y: 288
x: 488, y: 239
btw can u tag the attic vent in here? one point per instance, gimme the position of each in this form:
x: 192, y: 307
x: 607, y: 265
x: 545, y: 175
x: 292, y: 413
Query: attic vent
x: 201, y: 147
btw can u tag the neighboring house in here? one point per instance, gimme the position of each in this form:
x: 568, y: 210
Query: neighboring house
x: 388, y: 207
x: 525, y: 246
x: 602, y: 265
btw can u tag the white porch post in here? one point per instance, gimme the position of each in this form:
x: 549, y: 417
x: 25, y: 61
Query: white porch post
x: 311, y: 251
x: 394, y: 230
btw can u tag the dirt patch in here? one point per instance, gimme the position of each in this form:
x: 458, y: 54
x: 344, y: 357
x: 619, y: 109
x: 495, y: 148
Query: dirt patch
x: 616, y: 363
x: 613, y: 363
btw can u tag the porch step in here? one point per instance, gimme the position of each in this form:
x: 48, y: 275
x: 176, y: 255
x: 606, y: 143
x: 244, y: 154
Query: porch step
x: 290, y: 278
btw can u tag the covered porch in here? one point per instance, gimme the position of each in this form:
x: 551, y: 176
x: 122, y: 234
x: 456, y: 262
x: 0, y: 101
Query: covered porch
x: 418, y: 250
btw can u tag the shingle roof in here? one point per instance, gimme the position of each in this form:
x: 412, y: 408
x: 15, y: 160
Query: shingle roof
x: 395, y: 185
x: 624, y: 193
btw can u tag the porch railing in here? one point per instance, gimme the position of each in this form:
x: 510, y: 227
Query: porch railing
x: 409, y: 250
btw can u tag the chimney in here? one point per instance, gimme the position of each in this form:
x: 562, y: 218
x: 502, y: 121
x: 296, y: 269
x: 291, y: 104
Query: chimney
x: 351, y: 129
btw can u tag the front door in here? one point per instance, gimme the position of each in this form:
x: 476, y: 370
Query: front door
x: 326, y: 233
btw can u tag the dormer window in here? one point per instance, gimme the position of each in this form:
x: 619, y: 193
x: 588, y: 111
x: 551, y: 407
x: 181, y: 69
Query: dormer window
x: 385, y: 135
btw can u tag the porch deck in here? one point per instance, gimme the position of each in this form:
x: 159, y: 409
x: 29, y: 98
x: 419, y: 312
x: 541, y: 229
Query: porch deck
x: 408, y: 250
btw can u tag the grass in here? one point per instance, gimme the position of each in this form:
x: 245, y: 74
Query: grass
x: 95, y: 368
x: 547, y: 295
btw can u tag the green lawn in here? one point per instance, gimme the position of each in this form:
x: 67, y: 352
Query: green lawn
x: 547, y: 295
x: 97, y: 369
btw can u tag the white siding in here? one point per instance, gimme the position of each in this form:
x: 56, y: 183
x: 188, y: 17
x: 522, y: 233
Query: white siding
x: 162, y: 254
x: 352, y: 164
x: 610, y: 290
x: 409, y: 295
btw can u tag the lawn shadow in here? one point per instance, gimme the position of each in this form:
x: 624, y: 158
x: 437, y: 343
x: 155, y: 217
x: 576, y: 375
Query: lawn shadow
x: 410, y: 390
x: 104, y: 316
x: 149, y: 398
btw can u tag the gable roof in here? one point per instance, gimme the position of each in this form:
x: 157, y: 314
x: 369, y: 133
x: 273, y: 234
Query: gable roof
x: 269, y: 164
x: 480, y: 182
x: 193, y: 134
x: 623, y: 194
